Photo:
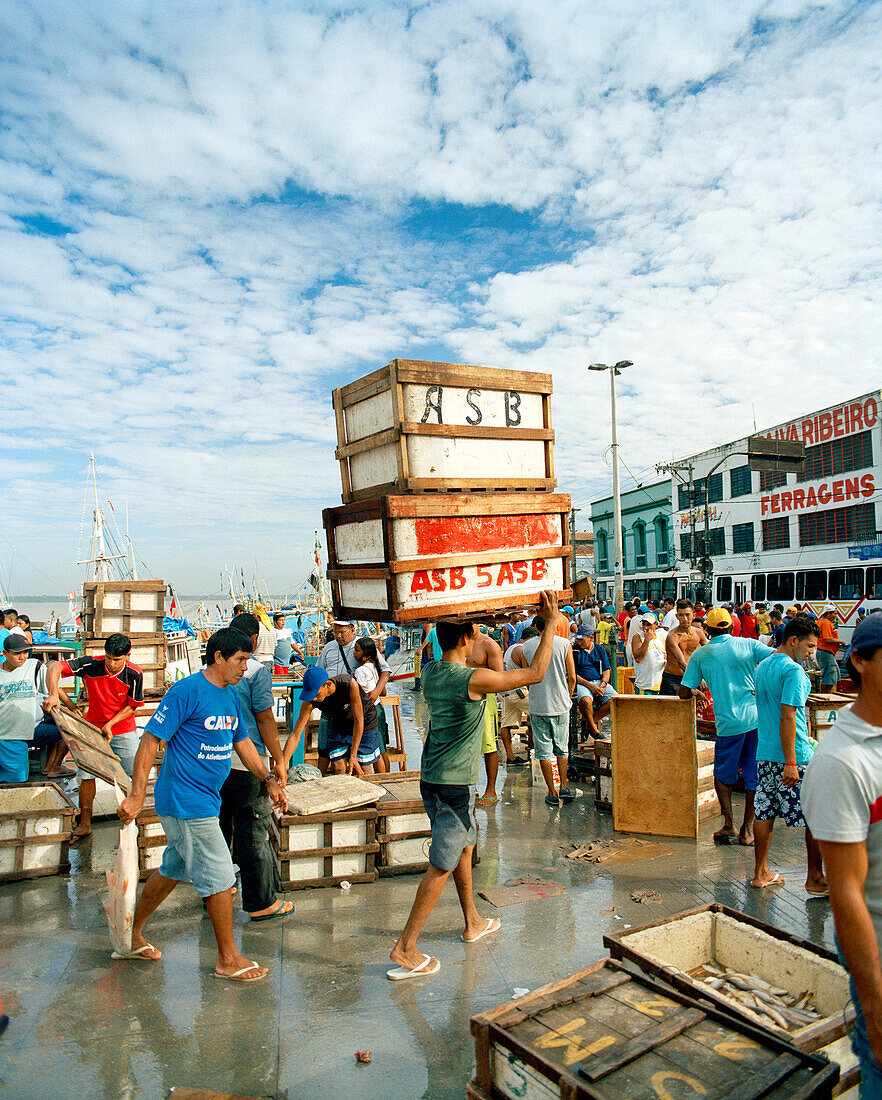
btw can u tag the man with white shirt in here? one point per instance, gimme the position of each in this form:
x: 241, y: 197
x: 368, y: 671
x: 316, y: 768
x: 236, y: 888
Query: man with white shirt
x: 669, y: 613
x: 22, y: 688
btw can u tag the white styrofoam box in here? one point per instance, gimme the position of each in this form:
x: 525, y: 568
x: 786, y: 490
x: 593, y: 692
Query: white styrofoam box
x: 45, y: 803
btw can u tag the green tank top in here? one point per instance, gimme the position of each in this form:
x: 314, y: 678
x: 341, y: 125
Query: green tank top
x: 452, y: 752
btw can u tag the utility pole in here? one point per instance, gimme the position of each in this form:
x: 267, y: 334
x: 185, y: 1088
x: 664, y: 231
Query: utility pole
x: 573, y: 539
x: 617, y: 500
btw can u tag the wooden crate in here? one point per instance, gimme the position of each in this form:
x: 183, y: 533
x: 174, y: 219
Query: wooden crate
x: 662, y: 778
x: 603, y: 794
x: 411, y: 558
x: 822, y: 709
x: 35, y: 826
x: 148, y: 653
x: 625, y: 680
x: 151, y: 839
x: 418, y: 426
x: 609, y: 1032
x: 403, y: 827
x: 671, y: 947
x: 123, y: 607
x: 325, y: 849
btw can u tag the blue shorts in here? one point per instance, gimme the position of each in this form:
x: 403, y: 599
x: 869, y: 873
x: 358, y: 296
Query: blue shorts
x: 773, y: 799
x: 585, y: 693
x: 124, y: 746
x: 551, y: 735
x: 197, y: 852
x: 340, y: 745
x: 14, y: 763
x: 732, y: 753
x: 451, y: 812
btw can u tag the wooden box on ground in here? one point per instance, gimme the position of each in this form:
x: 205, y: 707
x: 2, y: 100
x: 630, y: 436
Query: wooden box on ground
x: 35, y: 827
x: 415, y: 426
x: 148, y: 653
x: 672, y: 947
x: 325, y: 849
x: 603, y: 775
x: 822, y: 708
x: 403, y: 828
x: 662, y: 778
x: 625, y: 680
x: 606, y: 1032
x: 123, y: 607
x: 151, y: 839
x: 411, y: 558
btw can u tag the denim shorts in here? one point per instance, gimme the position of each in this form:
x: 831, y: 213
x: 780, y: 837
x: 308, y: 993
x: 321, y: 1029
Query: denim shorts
x: 124, y: 745
x: 451, y: 812
x: 871, y: 1072
x: 599, y: 701
x: 551, y: 735
x: 829, y: 667
x: 197, y: 852
x: 773, y: 799
x: 732, y: 753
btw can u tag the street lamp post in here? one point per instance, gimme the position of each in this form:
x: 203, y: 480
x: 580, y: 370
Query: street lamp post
x: 619, y: 579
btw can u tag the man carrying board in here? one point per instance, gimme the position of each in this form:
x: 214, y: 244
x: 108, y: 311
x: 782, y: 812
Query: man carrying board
x: 455, y: 695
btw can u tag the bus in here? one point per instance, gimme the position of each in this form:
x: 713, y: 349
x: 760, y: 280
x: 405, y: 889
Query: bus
x: 649, y: 586
x: 850, y: 586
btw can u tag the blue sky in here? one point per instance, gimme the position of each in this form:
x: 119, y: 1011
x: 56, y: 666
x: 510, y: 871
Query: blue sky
x: 212, y: 214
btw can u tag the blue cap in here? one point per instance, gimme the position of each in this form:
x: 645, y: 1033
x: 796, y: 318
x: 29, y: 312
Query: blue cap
x: 566, y: 607
x: 644, y: 608
x: 868, y: 632
x: 313, y: 679
x: 585, y: 632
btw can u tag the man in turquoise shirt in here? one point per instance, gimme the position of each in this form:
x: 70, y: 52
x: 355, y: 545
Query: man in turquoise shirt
x: 727, y: 665
x: 783, y: 750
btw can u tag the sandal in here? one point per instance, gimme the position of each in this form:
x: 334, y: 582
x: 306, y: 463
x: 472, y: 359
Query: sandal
x: 486, y: 801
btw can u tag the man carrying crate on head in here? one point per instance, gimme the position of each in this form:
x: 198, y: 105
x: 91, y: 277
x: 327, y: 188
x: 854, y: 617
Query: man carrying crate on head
x: 455, y: 694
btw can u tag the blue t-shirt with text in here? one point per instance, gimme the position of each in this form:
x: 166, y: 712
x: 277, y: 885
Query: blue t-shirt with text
x: 781, y: 682
x: 199, y: 723
x: 727, y: 665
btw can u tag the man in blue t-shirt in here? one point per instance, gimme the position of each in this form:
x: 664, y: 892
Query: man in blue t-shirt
x: 200, y: 721
x: 727, y: 665
x: 593, y: 689
x: 783, y: 750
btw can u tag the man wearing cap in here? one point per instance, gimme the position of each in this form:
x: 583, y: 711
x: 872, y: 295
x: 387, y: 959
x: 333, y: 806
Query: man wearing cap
x: 749, y: 624
x: 593, y: 690
x: 338, y: 659
x: 648, y: 652
x: 352, y: 743
x: 841, y: 801
x: 565, y: 622
x: 828, y: 647
x: 22, y: 687
x: 727, y: 665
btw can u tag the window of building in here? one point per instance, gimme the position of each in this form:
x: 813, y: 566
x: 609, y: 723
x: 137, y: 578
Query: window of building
x: 779, y: 587
x: 601, y: 540
x: 811, y: 584
x: 716, y: 538
x: 771, y: 479
x: 740, y: 482
x: 846, y: 584
x: 639, y: 545
x: 724, y: 589
x: 714, y: 492
x: 837, y: 457
x: 662, y: 543
x: 683, y: 501
x: 758, y: 586
x: 742, y: 538
x: 776, y: 534
x: 837, y: 525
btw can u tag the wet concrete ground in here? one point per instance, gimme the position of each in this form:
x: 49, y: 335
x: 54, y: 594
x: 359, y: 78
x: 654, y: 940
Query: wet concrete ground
x: 85, y: 1026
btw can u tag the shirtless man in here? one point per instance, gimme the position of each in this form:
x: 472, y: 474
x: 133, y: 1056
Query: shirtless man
x: 488, y: 654
x: 680, y: 644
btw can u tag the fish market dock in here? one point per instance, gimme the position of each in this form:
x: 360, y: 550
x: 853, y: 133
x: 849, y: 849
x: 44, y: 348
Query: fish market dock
x: 83, y: 1025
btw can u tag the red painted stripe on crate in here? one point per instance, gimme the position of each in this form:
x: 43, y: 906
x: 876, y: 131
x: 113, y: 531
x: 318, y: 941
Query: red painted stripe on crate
x: 456, y: 534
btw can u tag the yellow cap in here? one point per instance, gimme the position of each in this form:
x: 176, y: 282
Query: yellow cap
x: 718, y: 617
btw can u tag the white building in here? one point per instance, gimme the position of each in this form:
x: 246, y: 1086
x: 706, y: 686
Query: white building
x: 793, y: 538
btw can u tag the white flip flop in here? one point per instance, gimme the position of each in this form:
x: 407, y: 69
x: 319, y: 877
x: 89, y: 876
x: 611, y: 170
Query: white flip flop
x: 402, y: 973
x: 237, y: 977
x: 487, y: 931
x: 137, y: 954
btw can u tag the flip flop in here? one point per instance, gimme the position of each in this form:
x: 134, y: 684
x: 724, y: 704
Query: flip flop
x: 402, y: 973
x: 282, y: 911
x: 65, y: 773
x: 138, y: 953
x: 486, y: 801
x: 778, y: 880
x: 237, y: 977
x: 566, y: 794
x: 552, y: 800
x: 725, y: 838
x: 488, y: 931
x: 818, y: 893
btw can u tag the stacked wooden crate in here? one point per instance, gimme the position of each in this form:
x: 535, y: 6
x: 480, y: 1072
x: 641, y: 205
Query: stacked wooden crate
x: 325, y: 849
x: 133, y: 608
x: 448, y: 505
x: 36, y: 820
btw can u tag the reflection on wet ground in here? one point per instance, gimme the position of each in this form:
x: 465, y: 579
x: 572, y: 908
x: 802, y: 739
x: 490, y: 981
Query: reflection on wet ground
x: 85, y: 1026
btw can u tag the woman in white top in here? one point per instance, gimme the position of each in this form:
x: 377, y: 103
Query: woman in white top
x: 648, y: 649
x: 367, y: 675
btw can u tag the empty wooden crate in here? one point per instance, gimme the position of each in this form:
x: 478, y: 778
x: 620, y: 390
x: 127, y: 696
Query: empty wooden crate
x: 606, y: 1032
x: 35, y: 826
x: 403, y: 828
x: 662, y: 778
x: 324, y: 849
x: 123, y: 607
x: 415, y: 426
x: 411, y: 558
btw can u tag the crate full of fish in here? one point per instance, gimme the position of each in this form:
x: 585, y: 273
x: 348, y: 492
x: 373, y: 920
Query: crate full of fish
x: 791, y: 987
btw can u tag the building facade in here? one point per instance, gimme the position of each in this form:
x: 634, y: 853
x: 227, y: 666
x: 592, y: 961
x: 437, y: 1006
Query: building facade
x: 647, y: 542
x: 803, y: 538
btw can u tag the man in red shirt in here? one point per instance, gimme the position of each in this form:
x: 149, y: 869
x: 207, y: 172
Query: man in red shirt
x: 116, y: 690
x: 749, y: 625
x: 828, y: 647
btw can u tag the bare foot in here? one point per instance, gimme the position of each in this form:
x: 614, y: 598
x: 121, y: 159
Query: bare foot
x: 80, y: 833
x: 817, y: 886
x: 725, y: 835
x: 767, y: 879
x: 239, y: 962
x: 139, y: 941
x: 409, y: 959
x: 745, y: 837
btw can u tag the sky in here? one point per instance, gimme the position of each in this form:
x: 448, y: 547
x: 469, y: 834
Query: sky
x: 211, y: 214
